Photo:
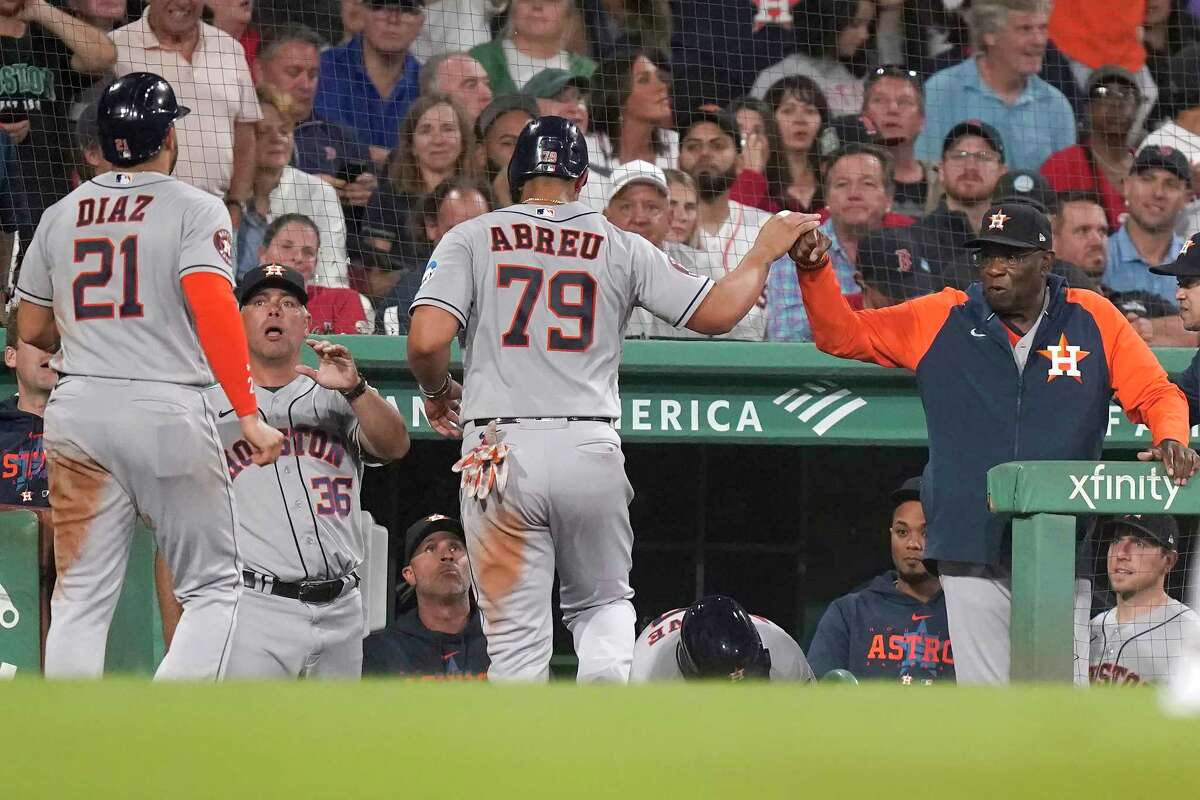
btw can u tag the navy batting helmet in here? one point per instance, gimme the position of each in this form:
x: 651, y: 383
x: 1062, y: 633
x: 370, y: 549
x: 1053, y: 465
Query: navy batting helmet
x: 133, y: 116
x: 547, y: 147
x: 717, y: 639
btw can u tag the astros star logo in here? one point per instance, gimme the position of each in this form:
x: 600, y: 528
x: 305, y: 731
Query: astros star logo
x: 27, y: 497
x: 1064, y: 359
x: 998, y: 219
x: 274, y: 271
x: 1186, y: 246
x: 738, y: 674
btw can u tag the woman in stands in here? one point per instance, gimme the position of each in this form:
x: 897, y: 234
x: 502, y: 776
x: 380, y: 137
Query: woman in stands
x: 531, y: 42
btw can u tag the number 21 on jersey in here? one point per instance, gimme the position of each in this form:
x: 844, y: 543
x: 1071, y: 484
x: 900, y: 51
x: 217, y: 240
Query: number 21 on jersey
x: 103, y: 252
x: 570, y: 295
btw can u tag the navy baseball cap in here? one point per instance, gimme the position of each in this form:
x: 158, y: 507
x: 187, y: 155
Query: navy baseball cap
x: 1187, y: 260
x: 425, y: 527
x: 1014, y: 224
x: 1162, y: 157
x: 975, y: 127
x: 909, y: 490
x: 1027, y: 185
x: 850, y: 129
x: 269, y: 276
x: 502, y: 105
x: 887, y: 263
x: 1158, y: 528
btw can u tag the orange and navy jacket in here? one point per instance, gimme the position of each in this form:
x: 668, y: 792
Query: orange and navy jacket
x: 979, y: 411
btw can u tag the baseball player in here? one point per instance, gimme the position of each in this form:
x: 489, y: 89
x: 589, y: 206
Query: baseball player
x: 1142, y: 639
x: 131, y: 274
x: 715, y: 638
x: 300, y: 531
x: 544, y: 289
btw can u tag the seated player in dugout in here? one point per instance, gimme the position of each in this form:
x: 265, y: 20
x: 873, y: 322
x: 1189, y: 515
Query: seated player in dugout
x: 23, y: 470
x: 438, y: 632
x: 716, y: 639
x: 1145, y: 637
x: 895, y: 627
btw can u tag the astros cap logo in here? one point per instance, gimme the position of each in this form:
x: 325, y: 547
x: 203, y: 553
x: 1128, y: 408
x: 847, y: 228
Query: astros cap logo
x: 998, y: 219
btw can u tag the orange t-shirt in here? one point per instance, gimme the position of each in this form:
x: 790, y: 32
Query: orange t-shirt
x: 1099, y: 32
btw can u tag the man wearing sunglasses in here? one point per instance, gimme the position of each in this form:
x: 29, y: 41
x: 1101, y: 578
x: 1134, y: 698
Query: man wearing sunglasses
x: 1018, y: 367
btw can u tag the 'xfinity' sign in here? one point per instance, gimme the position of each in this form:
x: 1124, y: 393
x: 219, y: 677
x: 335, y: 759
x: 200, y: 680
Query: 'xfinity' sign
x: 1101, y: 486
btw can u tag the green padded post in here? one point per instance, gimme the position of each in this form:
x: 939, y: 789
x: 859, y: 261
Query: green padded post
x: 20, y: 601
x: 1043, y: 598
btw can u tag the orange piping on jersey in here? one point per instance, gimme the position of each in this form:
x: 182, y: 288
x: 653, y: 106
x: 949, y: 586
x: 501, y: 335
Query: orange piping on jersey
x: 222, y: 337
x: 1139, y: 381
x: 898, y: 336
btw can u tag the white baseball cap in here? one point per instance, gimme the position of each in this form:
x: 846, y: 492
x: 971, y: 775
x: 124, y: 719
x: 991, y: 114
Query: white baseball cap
x: 636, y: 172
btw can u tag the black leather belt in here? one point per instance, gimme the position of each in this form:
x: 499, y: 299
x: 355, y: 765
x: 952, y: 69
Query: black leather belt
x: 316, y: 592
x: 479, y: 423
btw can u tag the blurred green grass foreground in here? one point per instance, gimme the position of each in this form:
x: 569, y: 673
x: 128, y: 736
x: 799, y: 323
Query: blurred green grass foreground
x: 133, y: 739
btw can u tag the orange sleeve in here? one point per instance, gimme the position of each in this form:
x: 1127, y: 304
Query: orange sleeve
x: 1139, y: 381
x: 222, y: 337
x: 898, y: 336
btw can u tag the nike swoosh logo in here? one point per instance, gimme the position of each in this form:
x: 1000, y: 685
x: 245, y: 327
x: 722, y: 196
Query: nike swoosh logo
x: 915, y: 618
x: 224, y: 414
x: 977, y: 334
x: 449, y: 656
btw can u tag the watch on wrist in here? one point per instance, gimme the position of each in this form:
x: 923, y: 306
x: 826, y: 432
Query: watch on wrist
x: 357, y: 391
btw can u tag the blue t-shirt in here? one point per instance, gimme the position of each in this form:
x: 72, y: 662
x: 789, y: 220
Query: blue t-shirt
x: 1039, y: 124
x: 346, y: 95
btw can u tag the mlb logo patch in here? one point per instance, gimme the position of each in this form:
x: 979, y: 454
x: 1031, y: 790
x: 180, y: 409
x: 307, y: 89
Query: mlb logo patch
x: 123, y: 178
x: 544, y: 212
x: 122, y: 146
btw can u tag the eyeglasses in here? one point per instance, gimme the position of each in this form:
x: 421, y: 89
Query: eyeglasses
x: 982, y: 157
x: 894, y: 71
x: 1011, y: 260
x: 1114, y: 92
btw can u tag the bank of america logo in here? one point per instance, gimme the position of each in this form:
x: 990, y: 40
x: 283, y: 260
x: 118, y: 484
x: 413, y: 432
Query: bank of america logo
x: 820, y: 404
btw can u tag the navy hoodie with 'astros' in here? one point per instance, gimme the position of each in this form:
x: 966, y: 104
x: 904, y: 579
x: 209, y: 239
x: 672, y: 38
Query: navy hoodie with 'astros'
x: 880, y: 633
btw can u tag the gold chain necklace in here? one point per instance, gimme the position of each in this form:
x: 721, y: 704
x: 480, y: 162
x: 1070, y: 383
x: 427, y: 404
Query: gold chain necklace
x: 541, y: 201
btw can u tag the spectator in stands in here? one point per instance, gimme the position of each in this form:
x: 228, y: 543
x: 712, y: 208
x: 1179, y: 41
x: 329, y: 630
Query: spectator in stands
x: 973, y: 160
x: 684, y: 207
x: 1000, y: 85
x: 42, y: 52
x: 459, y: 77
x: 1081, y: 232
x: 89, y: 158
x: 293, y: 240
x: 1183, y: 132
x: 894, y: 628
x: 23, y: 481
x: 453, y: 26
x: 233, y: 17
x: 452, y: 202
x: 969, y: 389
x: 104, y: 15
x: 216, y: 141
x: 497, y: 130
x: 1167, y: 30
x: 531, y: 42
x: 854, y: 130
x: 792, y: 177
x: 1158, y: 188
x: 1092, y: 35
x: 894, y: 99
x: 760, y: 135
x: 858, y: 183
x: 435, y: 141
x: 639, y: 202
x: 711, y: 155
x: 1101, y: 164
x: 561, y: 94
x: 369, y: 83
x: 282, y: 189
x: 289, y: 60
x: 353, y: 15
x: 841, y: 29
x: 632, y: 119
x: 438, y: 631
x: 1143, y: 640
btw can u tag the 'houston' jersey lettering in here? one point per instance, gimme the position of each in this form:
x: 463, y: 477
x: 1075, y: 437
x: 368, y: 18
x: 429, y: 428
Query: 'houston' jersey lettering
x: 1148, y: 649
x: 544, y: 293
x: 654, y: 651
x: 109, y: 258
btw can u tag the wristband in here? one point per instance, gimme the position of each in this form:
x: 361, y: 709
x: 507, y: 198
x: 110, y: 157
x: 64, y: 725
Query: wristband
x: 358, y: 391
x: 441, y: 390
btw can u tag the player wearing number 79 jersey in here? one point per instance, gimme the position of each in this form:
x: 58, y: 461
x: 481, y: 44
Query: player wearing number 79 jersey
x: 131, y: 274
x: 544, y: 289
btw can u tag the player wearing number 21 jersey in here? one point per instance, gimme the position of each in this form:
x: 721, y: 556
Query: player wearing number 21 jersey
x: 544, y: 290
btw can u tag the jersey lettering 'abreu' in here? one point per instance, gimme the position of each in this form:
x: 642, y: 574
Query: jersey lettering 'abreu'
x: 544, y: 294
x: 109, y: 258
x: 299, y: 518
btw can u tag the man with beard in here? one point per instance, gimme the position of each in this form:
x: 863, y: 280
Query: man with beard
x: 973, y: 159
x: 710, y: 151
x: 895, y: 627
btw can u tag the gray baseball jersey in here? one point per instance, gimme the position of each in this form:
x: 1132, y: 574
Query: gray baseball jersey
x: 544, y: 293
x: 1149, y: 649
x: 109, y: 258
x: 654, y: 651
x: 300, y: 517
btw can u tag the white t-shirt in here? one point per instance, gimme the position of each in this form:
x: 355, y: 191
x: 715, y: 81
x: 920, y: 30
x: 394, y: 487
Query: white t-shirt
x: 523, y: 67
x: 735, y: 237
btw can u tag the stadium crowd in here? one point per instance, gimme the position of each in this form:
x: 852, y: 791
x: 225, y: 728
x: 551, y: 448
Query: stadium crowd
x: 347, y: 138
